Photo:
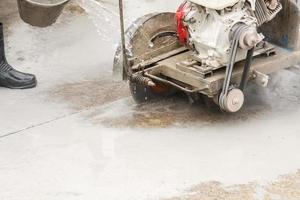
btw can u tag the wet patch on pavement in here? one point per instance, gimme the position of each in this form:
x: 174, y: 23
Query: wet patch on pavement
x: 281, y: 97
x: 114, y: 108
x: 174, y: 111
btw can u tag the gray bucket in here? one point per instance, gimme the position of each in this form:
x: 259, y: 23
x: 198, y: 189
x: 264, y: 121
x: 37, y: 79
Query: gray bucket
x: 41, y: 13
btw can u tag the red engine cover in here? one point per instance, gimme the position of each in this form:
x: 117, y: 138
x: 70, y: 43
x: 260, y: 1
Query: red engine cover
x: 182, y: 30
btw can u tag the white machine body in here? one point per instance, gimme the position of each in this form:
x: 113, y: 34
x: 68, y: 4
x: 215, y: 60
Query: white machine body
x: 210, y: 25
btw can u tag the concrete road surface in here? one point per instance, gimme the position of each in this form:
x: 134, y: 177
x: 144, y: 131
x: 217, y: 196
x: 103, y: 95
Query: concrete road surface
x: 79, y: 135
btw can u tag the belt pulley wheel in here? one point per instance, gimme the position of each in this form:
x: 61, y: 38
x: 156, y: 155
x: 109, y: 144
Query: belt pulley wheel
x: 234, y: 101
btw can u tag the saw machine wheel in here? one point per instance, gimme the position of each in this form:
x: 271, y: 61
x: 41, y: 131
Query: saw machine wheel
x: 148, y: 37
x: 142, y: 93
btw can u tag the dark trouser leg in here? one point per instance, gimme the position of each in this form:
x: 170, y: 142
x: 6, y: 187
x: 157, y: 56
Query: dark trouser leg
x: 9, y: 77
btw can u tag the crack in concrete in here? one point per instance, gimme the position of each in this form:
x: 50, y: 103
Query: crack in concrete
x: 2, y: 136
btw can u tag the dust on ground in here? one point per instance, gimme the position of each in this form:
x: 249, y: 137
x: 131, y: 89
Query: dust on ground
x: 285, y: 187
x: 74, y: 8
x: 90, y: 93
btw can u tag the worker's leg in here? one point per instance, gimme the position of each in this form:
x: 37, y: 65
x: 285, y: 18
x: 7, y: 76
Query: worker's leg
x: 9, y: 77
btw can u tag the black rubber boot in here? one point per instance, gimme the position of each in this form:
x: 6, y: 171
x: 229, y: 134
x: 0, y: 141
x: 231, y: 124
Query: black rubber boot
x: 9, y: 77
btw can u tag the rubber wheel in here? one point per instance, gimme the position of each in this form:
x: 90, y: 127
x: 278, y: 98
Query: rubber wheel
x: 139, y: 35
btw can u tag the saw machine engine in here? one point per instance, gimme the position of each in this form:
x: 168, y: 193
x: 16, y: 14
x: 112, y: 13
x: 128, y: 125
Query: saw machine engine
x: 207, y: 29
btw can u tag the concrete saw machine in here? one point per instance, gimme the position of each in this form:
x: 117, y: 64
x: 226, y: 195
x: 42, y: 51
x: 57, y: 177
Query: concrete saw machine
x: 208, y: 47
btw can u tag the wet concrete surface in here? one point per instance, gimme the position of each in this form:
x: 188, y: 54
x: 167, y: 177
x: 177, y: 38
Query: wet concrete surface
x: 177, y: 110
x: 79, y: 135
